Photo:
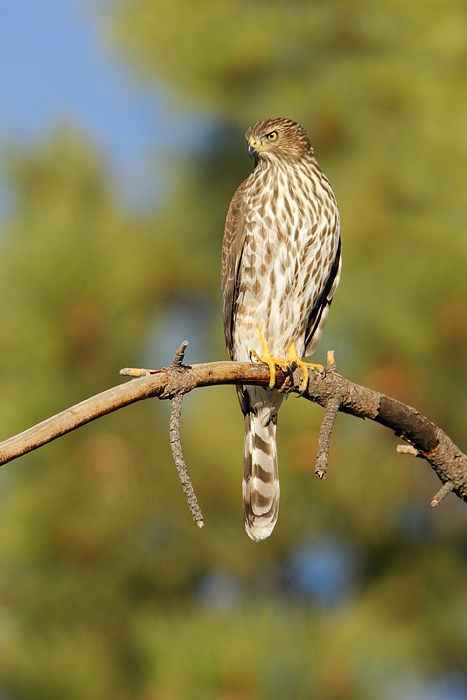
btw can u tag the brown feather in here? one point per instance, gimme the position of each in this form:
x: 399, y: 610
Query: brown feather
x: 234, y: 238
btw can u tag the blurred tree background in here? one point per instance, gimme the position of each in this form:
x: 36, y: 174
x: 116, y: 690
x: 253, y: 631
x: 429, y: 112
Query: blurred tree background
x: 107, y: 588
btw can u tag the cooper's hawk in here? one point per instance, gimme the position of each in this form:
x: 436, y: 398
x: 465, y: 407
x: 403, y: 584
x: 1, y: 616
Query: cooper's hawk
x: 281, y: 264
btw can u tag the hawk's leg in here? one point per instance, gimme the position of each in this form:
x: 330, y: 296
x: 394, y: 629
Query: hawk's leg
x: 293, y: 359
x: 269, y: 359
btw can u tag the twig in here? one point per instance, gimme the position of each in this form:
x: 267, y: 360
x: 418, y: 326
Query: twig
x: 330, y: 415
x: 442, y: 493
x: 407, y: 450
x: 134, y: 372
x: 447, y: 460
x: 176, y: 446
x: 331, y: 361
x: 180, y: 354
x: 174, y: 431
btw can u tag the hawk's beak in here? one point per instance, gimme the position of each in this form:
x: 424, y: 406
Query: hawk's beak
x: 253, y: 147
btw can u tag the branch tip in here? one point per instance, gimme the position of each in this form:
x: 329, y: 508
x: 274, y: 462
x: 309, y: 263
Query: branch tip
x: 407, y: 450
x: 321, y: 470
x: 133, y: 372
x: 178, y: 357
x: 442, y: 493
x: 331, y: 361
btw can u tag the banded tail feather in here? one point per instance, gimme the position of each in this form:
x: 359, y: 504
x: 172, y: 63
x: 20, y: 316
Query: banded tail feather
x: 260, y: 474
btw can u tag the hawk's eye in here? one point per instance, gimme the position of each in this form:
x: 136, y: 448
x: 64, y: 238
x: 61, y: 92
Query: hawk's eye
x: 272, y: 136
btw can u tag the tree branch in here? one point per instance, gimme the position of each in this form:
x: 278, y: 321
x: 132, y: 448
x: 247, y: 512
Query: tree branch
x: 176, y: 445
x: 425, y: 438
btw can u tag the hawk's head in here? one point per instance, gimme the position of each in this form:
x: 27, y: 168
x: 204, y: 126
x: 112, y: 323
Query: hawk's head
x: 274, y: 139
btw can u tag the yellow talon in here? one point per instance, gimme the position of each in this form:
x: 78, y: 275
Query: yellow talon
x: 268, y: 358
x: 291, y: 360
x: 292, y: 357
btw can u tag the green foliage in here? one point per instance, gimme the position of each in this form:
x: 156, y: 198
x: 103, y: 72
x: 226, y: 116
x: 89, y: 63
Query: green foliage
x: 108, y: 590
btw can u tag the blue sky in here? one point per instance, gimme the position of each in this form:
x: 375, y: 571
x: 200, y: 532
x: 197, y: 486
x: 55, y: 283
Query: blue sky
x: 54, y: 68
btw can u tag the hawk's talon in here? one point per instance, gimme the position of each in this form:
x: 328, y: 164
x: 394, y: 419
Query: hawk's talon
x: 268, y: 359
x: 287, y: 366
x: 293, y: 358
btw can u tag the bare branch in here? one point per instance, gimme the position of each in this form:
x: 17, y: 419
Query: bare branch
x: 447, y: 460
x: 176, y: 445
x: 330, y: 415
x: 442, y: 493
x: 332, y: 409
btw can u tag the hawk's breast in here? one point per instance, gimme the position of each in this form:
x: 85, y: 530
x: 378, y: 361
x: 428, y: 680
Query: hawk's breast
x: 291, y: 236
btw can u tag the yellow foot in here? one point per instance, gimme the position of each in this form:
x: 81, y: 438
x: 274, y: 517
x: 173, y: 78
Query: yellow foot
x: 293, y: 359
x: 269, y: 359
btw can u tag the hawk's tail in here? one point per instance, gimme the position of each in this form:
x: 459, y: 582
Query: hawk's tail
x: 260, y: 476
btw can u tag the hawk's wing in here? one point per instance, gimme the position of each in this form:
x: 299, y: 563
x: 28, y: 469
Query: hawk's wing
x: 232, y: 249
x: 320, y: 310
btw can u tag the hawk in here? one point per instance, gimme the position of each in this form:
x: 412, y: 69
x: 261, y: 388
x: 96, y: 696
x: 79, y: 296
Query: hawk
x: 281, y: 264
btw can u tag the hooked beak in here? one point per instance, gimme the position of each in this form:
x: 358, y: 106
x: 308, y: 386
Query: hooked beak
x: 253, y: 147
